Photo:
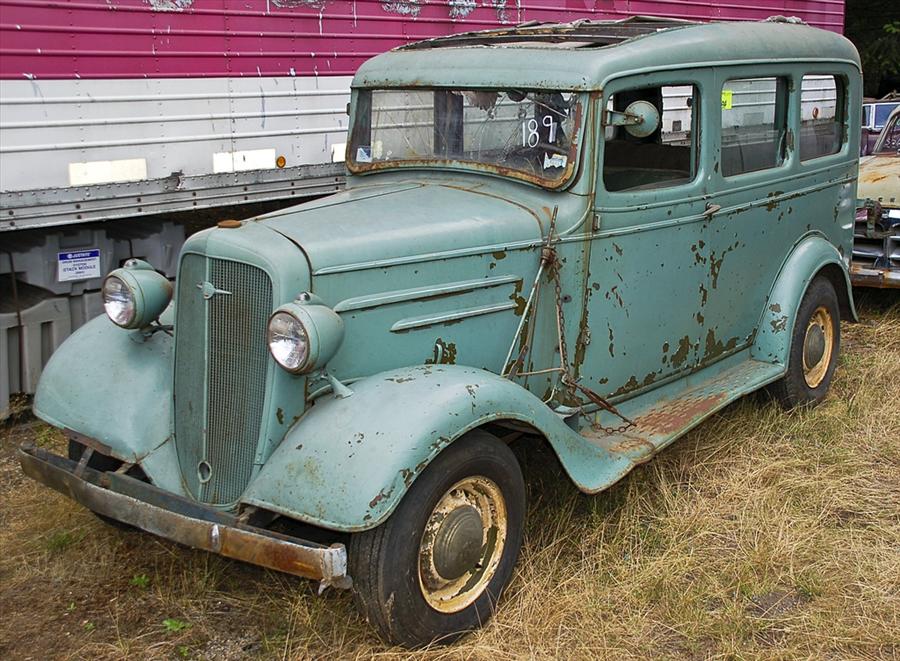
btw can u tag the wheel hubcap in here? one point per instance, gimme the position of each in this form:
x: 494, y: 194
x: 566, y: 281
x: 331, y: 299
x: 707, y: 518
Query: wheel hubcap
x: 457, y: 545
x: 817, y: 347
x: 462, y: 544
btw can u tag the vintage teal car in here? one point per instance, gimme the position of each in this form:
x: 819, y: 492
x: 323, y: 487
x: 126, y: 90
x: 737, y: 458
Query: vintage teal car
x: 592, y: 235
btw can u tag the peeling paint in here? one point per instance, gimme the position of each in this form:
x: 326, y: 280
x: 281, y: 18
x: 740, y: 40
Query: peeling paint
x: 715, y: 265
x: 461, y: 8
x: 402, y: 7
x: 381, y: 496
x: 684, y: 348
x: 170, y: 5
x: 715, y: 348
x: 293, y: 4
x: 779, y: 324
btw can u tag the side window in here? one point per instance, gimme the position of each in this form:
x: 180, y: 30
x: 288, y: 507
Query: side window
x: 754, y: 124
x: 668, y: 156
x: 822, y: 102
x: 867, y: 116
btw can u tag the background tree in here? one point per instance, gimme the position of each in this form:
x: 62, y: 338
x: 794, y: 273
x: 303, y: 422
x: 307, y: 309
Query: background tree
x: 874, y: 26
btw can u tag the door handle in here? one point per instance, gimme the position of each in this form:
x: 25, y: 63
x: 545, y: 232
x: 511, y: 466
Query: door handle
x: 711, y: 209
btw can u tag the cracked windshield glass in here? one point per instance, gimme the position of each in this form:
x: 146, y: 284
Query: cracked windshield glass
x: 527, y: 134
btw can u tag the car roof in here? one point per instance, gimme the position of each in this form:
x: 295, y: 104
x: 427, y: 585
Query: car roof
x: 583, y: 55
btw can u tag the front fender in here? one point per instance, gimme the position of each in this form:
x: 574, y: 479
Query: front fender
x: 111, y: 385
x: 776, y: 327
x: 348, y: 462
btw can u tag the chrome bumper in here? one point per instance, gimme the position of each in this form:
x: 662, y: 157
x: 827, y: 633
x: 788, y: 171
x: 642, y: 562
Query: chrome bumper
x: 144, y: 506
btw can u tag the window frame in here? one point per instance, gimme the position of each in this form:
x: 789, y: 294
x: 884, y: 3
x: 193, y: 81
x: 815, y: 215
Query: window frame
x: 842, y: 106
x: 727, y: 74
x: 700, y: 80
x: 360, y: 107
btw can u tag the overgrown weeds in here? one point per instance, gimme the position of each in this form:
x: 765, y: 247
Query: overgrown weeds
x: 761, y: 534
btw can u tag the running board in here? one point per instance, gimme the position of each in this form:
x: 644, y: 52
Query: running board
x: 661, y: 421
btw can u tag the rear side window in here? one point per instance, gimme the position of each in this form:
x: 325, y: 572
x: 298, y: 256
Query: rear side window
x: 754, y: 124
x: 821, y: 116
x: 667, y: 157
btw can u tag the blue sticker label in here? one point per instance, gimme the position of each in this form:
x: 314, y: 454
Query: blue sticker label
x: 78, y: 265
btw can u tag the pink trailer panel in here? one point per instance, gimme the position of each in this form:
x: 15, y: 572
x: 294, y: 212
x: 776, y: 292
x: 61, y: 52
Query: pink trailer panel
x: 193, y: 38
x: 119, y: 108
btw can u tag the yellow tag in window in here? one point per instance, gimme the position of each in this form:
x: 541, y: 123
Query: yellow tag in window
x: 726, y: 99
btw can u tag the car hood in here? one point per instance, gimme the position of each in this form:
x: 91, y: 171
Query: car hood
x: 879, y: 179
x: 366, y: 225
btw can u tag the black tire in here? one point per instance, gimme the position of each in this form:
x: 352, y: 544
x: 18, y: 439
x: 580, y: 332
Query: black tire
x: 794, y: 389
x: 385, y: 562
x: 99, y: 462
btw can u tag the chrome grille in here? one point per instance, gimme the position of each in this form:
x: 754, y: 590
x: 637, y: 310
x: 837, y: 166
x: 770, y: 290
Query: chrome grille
x: 221, y: 362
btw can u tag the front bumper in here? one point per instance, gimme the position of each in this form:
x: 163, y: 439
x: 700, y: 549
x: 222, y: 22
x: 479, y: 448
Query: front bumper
x: 883, y: 278
x: 149, y: 508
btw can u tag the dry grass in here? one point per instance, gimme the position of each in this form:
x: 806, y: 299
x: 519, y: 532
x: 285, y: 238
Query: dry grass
x: 762, y: 534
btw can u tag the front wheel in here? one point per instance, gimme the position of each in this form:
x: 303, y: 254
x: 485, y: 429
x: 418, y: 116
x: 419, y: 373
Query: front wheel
x: 814, y: 348
x: 436, y: 568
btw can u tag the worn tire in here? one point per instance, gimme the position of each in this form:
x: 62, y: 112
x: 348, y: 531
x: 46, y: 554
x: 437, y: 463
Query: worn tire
x: 794, y: 389
x: 385, y: 562
x: 103, y: 463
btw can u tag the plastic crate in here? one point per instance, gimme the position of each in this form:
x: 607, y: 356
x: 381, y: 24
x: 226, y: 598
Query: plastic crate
x: 25, y: 349
x: 35, y: 256
x: 85, y: 307
x: 154, y: 242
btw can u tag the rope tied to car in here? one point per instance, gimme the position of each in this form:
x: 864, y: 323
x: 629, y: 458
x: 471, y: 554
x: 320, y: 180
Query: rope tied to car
x: 551, y: 263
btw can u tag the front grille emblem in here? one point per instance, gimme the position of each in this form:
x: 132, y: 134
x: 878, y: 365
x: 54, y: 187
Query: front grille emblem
x: 209, y: 290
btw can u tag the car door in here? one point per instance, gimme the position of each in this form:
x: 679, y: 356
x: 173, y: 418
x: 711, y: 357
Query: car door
x: 648, y: 278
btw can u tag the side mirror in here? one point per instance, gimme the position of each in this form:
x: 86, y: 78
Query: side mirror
x: 640, y: 119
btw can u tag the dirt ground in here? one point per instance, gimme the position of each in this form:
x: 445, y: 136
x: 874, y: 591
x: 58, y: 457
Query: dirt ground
x: 761, y: 534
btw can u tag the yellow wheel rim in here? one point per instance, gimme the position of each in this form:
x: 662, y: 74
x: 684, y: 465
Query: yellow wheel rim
x: 462, y: 544
x: 818, y: 344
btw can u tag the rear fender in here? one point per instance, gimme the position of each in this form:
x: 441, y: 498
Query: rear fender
x: 812, y: 256
x: 348, y: 462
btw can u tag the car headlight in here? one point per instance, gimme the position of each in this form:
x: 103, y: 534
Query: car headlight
x: 304, y: 335
x: 135, y: 295
x: 288, y: 342
x: 118, y: 301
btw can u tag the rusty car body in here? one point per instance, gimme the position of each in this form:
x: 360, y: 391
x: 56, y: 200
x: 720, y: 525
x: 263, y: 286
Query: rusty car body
x: 593, y: 235
x: 876, y: 240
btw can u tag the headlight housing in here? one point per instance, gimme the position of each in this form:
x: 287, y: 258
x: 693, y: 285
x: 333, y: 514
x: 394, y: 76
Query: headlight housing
x: 135, y: 295
x: 304, y: 335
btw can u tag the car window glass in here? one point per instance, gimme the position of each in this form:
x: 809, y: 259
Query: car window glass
x: 821, y: 116
x: 882, y: 112
x: 754, y: 124
x: 528, y: 132
x: 668, y: 156
x: 867, y: 113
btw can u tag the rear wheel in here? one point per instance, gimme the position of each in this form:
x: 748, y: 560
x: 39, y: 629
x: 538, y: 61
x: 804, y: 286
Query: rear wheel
x: 436, y: 568
x: 814, y: 348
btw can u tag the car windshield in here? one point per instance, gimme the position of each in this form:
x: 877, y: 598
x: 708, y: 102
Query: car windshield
x: 525, y: 134
x: 882, y: 112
